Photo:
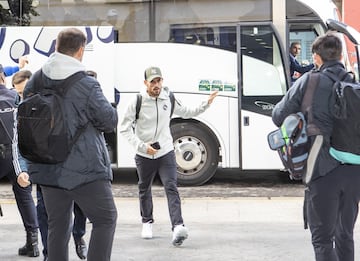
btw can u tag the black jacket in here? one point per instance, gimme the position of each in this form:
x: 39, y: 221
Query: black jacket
x: 85, y: 102
x: 296, y: 67
x: 7, y: 110
x: 322, y: 106
x: 9, y: 97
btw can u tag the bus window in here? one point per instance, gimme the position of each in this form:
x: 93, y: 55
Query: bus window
x: 305, y: 34
x: 223, y: 37
x: 262, y: 66
x: 305, y: 39
x: 201, y: 36
x: 181, y: 18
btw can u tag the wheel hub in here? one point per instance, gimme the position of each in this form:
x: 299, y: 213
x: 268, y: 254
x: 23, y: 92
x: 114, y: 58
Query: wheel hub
x: 190, y: 154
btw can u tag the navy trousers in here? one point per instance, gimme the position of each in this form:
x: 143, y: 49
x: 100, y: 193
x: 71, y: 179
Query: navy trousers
x: 147, y: 169
x: 23, y: 196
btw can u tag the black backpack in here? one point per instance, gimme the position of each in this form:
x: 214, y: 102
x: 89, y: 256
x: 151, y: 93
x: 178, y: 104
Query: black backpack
x: 43, y: 134
x: 7, y: 109
x: 345, y: 138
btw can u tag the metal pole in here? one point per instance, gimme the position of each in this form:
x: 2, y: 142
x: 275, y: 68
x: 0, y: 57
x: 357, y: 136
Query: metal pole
x: 152, y: 21
x: 20, y: 18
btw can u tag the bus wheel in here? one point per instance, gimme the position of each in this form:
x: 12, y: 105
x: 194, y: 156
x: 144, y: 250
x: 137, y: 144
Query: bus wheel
x: 197, y: 153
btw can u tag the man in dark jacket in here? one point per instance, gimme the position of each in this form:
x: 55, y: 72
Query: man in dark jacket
x: 85, y: 176
x: 14, y: 167
x: 332, y: 192
x: 295, y: 66
x: 19, y: 81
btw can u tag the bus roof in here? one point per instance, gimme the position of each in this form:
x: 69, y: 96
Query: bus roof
x: 325, y: 9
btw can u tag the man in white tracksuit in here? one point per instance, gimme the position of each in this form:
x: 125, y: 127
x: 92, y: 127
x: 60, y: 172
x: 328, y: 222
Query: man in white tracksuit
x: 153, y: 142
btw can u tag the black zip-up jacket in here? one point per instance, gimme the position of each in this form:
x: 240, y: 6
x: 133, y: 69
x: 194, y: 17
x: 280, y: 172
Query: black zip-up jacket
x: 322, y: 106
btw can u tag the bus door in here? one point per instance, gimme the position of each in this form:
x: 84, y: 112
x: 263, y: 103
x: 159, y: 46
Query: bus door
x: 262, y: 83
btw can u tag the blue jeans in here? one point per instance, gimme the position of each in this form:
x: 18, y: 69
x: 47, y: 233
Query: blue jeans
x: 147, y: 169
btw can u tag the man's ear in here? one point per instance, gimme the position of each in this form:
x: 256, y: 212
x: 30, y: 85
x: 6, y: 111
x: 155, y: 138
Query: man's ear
x: 317, y: 60
x: 80, y: 53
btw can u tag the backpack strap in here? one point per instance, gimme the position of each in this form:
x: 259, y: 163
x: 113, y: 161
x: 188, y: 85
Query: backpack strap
x: 138, y: 105
x: 69, y: 81
x: 38, y: 82
x: 338, y: 77
x: 3, y: 147
x: 172, y: 100
x: 306, y: 106
x: 63, y: 88
x: 6, y: 130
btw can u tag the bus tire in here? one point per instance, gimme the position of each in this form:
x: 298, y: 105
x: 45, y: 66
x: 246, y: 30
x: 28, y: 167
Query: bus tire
x: 197, y: 153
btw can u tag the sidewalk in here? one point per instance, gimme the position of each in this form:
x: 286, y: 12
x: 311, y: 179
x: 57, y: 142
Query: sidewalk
x: 219, y: 229
x: 245, y: 229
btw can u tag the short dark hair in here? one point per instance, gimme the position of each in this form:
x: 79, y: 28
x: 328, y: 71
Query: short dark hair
x: 20, y: 76
x: 70, y: 40
x: 328, y: 47
x: 294, y: 43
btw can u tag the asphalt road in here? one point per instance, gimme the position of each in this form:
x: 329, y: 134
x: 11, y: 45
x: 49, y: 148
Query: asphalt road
x: 225, y: 183
x: 248, y: 216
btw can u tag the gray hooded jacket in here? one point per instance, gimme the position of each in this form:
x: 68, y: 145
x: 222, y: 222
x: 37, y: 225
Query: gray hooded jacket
x: 154, y: 122
x: 84, y: 103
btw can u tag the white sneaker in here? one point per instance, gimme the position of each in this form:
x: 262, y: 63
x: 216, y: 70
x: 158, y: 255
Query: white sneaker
x: 179, y: 235
x: 146, y: 232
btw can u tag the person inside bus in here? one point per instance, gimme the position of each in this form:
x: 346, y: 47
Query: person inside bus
x: 296, y: 69
x: 153, y: 142
x: 19, y: 81
x: 112, y: 19
x: 332, y: 194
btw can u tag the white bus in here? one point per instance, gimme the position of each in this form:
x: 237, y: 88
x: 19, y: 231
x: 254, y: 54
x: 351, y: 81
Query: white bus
x: 239, y: 47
